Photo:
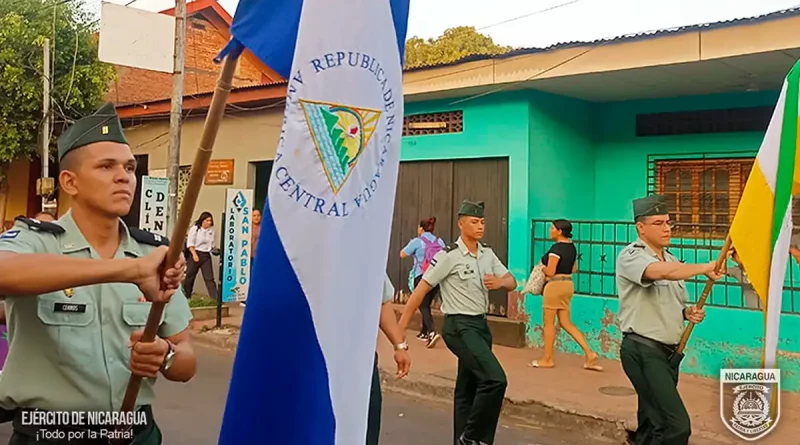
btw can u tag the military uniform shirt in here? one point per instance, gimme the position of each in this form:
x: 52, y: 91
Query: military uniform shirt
x: 459, y: 275
x: 652, y: 309
x: 71, y: 352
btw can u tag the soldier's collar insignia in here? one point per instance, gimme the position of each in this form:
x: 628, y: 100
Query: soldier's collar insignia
x: 104, y: 130
x: 69, y: 293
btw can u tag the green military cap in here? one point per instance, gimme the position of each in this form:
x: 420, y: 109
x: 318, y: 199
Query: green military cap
x: 469, y: 208
x: 103, y: 125
x: 650, y: 205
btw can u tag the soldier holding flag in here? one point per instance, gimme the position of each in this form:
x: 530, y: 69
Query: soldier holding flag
x: 653, y: 312
x: 74, y: 331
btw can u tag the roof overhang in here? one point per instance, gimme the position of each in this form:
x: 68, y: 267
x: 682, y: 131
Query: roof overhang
x: 755, y: 56
x: 745, y: 56
x: 246, y: 96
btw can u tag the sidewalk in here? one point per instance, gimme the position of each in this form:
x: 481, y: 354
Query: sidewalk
x: 601, y: 405
x: 604, y: 404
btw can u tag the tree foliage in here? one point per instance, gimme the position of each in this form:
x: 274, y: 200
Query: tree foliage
x: 79, y: 79
x: 454, y: 44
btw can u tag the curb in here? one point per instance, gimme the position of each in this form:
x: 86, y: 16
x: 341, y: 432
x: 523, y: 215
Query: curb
x: 439, y: 389
x: 218, y: 342
x: 531, y: 412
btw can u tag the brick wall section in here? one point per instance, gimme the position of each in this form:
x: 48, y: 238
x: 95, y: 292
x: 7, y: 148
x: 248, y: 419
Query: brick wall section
x: 203, y: 43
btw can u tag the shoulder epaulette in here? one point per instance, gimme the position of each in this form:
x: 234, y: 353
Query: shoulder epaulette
x: 633, y: 248
x: 148, y: 238
x: 41, y: 226
x: 451, y: 247
x: 485, y: 245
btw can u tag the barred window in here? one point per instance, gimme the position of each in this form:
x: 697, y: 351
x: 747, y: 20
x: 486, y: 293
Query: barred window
x: 433, y: 123
x: 702, y: 195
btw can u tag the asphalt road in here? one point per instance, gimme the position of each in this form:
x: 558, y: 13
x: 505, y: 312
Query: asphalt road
x: 191, y: 414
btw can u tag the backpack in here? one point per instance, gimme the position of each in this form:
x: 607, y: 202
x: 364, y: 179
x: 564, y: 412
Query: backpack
x: 431, y: 249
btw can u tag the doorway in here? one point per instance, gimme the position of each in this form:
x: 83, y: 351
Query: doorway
x: 142, y: 169
x: 436, y: 188
x: 260, y: 192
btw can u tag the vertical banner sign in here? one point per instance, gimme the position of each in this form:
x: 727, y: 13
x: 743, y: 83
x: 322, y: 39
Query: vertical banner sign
x: 153, y: 210
x: 236, y: 239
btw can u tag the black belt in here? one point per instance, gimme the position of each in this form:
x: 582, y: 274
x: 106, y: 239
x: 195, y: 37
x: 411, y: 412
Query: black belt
x: 481, y: 316
x: 650, y: 342
x: 90, y: 434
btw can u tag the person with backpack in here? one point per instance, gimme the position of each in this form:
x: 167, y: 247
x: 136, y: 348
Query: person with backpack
x: 423, y: 248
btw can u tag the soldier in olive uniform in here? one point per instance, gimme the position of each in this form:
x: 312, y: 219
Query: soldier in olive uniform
x: 466, y: 271
x: 78, y: 292
x: 653, y: 310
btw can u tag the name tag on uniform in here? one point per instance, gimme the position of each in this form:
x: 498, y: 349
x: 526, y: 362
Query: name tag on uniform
x: 70, y: 308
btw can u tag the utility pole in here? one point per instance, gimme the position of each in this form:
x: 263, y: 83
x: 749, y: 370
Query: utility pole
x: 176, y: 110
x: 45, y: 186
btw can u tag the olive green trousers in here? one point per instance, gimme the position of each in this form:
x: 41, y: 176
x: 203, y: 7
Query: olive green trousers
x: 662, y: 416
x: 375, y: 402
x: 481, y: 381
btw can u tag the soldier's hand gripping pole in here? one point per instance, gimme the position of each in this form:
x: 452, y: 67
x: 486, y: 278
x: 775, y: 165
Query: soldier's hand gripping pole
x: 199, y: 167
x: 723, y: 256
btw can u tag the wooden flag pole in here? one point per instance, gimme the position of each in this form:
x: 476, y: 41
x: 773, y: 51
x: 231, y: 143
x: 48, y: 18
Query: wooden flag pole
x: 723, y: 256
x: 199, y: 167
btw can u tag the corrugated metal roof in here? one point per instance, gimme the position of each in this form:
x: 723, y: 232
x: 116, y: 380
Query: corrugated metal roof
x: 624, y: 38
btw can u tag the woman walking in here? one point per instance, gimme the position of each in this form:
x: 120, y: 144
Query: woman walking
x: 560, y: 262
x: 423, y: 248
x: 200, y: 243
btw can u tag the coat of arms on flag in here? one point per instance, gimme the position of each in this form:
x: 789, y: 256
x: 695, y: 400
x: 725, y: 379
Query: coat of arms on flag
x: 340, y: 134
x: 750, y: 401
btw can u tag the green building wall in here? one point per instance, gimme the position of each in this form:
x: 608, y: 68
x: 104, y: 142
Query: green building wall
x: 729, y: 337
x: 493, y: 127
x: 582, y: 161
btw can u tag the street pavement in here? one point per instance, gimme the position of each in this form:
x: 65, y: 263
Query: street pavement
x: 191, y: 414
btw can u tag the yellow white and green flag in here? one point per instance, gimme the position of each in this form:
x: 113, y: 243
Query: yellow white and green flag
x: 762, y: 228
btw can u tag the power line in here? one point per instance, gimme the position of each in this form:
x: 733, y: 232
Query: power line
x: 524, y: 16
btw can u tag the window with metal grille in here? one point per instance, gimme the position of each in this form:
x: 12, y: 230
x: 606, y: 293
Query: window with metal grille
x: 702, y: 195
x: 433, y: 123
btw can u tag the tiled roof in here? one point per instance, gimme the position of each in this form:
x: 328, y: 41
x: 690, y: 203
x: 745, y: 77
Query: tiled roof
x: 625, y: 38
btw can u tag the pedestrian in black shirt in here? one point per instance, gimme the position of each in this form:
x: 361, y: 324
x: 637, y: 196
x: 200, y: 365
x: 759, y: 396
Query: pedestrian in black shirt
x: 561, y: 261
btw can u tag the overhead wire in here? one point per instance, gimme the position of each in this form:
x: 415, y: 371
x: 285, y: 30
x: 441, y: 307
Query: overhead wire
x: 530, y: 14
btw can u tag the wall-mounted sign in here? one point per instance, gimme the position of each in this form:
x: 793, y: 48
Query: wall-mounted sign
x: 220, y: 172
x: 153, y: 205
x: 236, y: 241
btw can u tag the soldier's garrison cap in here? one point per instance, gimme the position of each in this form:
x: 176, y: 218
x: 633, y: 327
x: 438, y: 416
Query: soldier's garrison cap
x: 469, y: 208
x: 101, y: 126
x: 650, y: 206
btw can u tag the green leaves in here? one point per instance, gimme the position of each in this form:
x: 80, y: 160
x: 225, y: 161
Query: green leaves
x: 337, y: 137
x: 454, y: 44
x: 80, y: 80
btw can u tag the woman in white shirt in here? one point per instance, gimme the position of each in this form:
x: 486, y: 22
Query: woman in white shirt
x: 200, y: 243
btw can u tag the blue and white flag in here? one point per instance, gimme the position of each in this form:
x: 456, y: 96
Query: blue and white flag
x: 303, y: 367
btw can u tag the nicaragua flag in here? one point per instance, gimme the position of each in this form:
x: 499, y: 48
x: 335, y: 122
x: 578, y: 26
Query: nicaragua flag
x: 303, y: 367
